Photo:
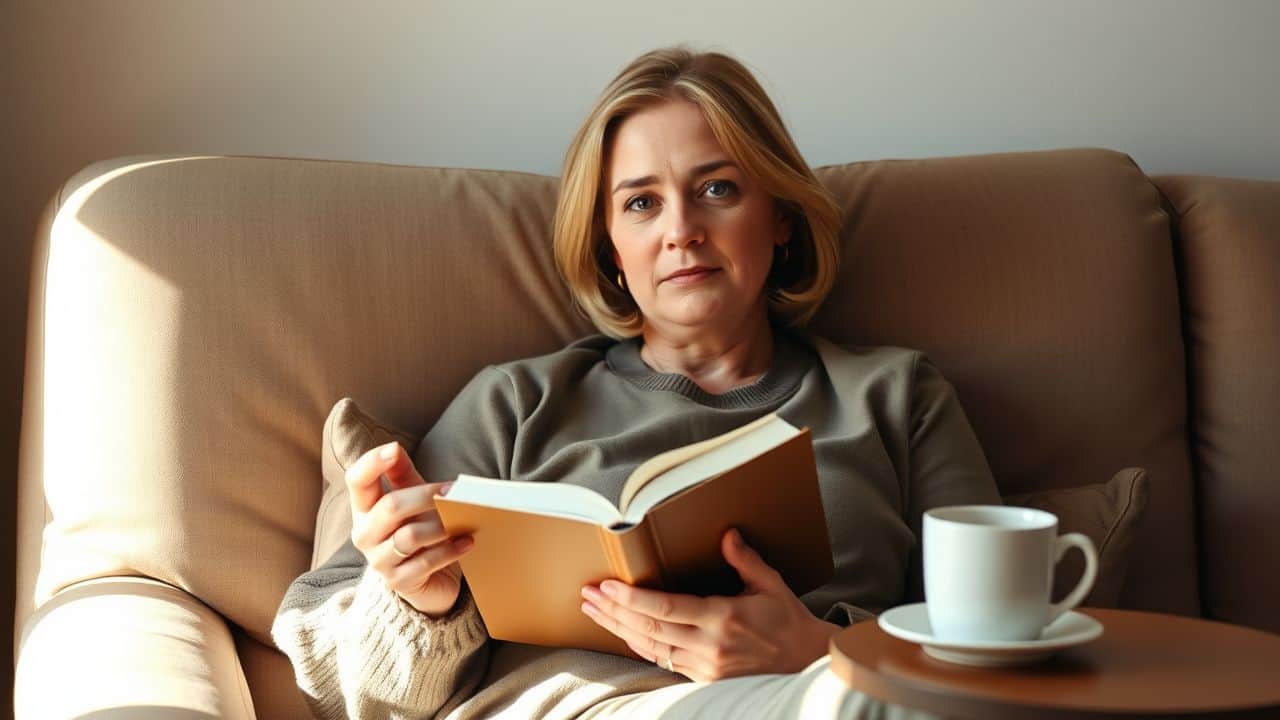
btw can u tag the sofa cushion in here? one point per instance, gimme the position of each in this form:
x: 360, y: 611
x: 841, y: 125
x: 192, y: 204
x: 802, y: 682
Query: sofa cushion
x: 1043, y: 286
x: 1228, y: 248
x: 203, y: 314
x: 1107, y: 513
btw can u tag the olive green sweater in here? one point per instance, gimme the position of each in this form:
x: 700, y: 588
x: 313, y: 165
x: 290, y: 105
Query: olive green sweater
x: 890, y: 439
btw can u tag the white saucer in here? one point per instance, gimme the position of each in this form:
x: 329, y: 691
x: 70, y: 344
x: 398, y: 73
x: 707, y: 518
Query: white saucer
x: 911, y: 623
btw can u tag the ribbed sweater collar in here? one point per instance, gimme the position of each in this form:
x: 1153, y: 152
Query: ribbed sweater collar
x: 791, y: 360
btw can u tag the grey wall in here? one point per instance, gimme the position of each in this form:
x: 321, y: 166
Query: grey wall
x: 1182, y: 86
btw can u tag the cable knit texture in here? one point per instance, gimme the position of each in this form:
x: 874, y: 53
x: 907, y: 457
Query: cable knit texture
x: 407, y: 662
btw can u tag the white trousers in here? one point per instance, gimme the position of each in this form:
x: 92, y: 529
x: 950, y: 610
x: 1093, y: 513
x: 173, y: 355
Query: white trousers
x: 814, y: 693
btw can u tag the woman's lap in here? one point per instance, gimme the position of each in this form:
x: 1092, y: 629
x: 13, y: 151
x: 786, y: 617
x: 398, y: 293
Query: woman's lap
x: 814, y: 692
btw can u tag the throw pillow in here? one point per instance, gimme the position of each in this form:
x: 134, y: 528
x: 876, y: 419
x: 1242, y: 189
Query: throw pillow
x: 1109, y: 514
x: 348, y: 433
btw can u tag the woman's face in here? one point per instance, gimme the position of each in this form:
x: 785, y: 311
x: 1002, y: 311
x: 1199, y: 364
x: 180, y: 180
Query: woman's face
x: 693, y: 234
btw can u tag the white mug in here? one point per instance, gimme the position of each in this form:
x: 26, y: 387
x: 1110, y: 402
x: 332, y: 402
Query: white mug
x: 988, y: 571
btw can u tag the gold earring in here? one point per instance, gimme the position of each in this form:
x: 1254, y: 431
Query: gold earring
x: 622, y: 281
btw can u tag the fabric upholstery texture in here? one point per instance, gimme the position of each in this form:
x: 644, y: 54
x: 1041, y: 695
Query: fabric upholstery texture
x: 1107, y: 513
x: 197, y: 319
x: 231, y: 324
x: 131, y: 643
x: 1043, y: 285
x: 1227, y: 241
x: 272, y: 685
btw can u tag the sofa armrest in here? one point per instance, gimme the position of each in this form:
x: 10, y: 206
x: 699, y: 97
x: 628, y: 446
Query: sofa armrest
x: 128, y: 647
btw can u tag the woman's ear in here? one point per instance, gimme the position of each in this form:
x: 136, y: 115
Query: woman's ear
x: 782, y: 223
x: 617, y: 259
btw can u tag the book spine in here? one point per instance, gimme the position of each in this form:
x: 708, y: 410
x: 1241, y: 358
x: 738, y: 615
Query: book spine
x: 634, y: 555
x: 650, y: 531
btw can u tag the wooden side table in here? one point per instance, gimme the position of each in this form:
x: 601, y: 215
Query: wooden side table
x: 1144, y: 665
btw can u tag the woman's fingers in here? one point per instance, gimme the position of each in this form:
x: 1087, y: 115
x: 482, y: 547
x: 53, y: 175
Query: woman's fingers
x: 398, y: 530
x: 400, y: 470
x: 415, y: 533
x: 653, y: 636
x: 363, y: 486
x: 378, y: 511
x: 390, y: 512
x: 675, y: 607
x: 364, y: 477
x: 409, y: 576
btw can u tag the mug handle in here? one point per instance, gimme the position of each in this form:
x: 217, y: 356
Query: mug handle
x: 1061, y: 545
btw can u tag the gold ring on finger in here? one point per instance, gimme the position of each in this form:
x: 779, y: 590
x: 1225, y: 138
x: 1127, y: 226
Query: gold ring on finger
x: 396, y: 550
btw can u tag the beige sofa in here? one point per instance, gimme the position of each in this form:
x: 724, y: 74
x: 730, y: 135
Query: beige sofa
x: 193, y: 319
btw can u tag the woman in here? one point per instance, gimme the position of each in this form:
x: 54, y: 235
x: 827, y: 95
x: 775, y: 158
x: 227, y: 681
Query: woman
x: 692, y: 232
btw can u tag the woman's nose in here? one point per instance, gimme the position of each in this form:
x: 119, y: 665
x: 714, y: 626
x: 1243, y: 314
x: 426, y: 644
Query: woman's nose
x: 683, y: 226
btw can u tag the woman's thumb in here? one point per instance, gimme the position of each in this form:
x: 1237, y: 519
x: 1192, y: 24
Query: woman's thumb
x: 752, y: 568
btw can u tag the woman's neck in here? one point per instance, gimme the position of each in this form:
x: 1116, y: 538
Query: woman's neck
x: 716, y: 362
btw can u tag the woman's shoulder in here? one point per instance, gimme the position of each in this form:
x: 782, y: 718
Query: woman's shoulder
x: 864, y: 358
x: 859, y: 371
x: 578, y: 357
x: 511, y: 385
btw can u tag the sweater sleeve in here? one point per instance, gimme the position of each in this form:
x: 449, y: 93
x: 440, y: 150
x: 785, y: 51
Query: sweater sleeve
x: 359, y: 651
x: 947, y: 465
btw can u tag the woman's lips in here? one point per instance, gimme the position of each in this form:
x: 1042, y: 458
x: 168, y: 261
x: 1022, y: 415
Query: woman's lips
x: 693, y: 277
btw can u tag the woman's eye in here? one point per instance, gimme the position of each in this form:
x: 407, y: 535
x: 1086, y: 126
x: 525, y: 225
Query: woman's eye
x: 720, y: 188
x: 639, y: 204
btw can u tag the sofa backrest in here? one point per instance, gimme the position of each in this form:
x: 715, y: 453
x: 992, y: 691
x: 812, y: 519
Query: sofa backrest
x: 200, y: 317
x: 195, y: 318
x: 1043, y: 285
x: 1227, y: 237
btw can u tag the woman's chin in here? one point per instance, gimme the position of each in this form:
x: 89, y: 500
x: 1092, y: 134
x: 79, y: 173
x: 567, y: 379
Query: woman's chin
x: 696, y: 312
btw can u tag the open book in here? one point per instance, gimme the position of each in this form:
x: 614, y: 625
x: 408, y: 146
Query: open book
x: 537, y: 543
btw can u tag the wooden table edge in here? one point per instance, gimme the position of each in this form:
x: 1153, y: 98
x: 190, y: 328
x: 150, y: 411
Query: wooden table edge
x: 946, y: 702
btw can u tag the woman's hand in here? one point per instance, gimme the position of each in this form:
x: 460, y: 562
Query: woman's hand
x: 766, y: 629
x: 404, y: 518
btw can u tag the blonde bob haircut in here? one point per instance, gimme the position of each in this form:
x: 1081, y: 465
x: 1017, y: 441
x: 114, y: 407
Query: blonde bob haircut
x: 748, y: 127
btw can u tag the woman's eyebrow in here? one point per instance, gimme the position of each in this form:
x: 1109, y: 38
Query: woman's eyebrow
x: 702, y: 169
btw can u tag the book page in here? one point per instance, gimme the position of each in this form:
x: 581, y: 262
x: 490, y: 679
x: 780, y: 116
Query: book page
x: 658, y: 464
x: 731, y: 450
x: 543, y: 498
